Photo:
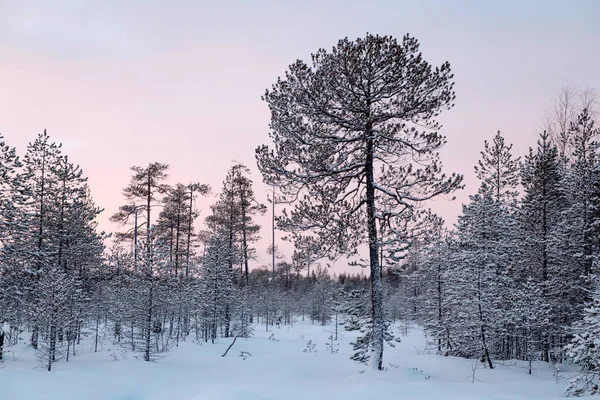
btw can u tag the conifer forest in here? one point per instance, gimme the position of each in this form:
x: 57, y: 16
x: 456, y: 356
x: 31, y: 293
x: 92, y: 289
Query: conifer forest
x: 364, y: 275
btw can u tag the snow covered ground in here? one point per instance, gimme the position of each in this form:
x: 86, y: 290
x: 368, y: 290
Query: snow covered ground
x: 276, y: 369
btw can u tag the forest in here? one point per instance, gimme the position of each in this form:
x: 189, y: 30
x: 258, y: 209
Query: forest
x: 354, y: 165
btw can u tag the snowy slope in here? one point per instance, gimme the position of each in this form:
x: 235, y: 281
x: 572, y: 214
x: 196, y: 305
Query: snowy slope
x: 276, y: 369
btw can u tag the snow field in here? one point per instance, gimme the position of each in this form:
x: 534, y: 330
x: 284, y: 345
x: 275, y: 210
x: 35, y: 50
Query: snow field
x: 278, y: 368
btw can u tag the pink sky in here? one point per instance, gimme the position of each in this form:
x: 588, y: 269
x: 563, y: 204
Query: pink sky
x: 123, y: 83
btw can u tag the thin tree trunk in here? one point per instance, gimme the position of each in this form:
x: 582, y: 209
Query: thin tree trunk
x: 149, y: 322
x: 135, y: 234
x: 34, y: 337
x: 245, y: 246
x: 177, y: 239
x: 96, y: 336
x: 273, y: 235
x: 336, y: 325
x: 481, y: 321
x: 1, y: 344
x: 189, y: 233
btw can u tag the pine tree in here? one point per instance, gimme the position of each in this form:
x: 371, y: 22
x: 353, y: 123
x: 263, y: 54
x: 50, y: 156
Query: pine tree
x: 41, y: 156
x: 480, y: 273
x: 500, y: 173
x: 143, y: 193
x: 41, y: 187
x: 345, y: 134
x: 540, y: 215
x: 234, y: 215
x: 498, y: 170
x: 249, y: 208
x: 225, y: 217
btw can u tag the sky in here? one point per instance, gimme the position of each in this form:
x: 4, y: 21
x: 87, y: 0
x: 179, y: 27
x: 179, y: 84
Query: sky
x: 128, y: 82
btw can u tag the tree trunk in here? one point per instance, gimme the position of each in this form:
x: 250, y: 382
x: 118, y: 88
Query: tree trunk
x: 97, y: 332
x: 189, y: 233
x: 52, y: 349
x: 377, y: 315
x: 34, y: 337
x: 545, y: 347
x: 245, y: 244
x: 1, y: 344
x: 439, y: 290
x: 177, y: 239
x: 485, y: 348
x: 149, y: 323
x: 273, y: 234
x: 135, y: 234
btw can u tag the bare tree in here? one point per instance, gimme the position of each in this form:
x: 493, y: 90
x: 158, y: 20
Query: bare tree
x: 564, y: 109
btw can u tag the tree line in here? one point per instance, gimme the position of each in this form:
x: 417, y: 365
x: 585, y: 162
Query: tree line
x: 161, y: 281
x: 515, y: 276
